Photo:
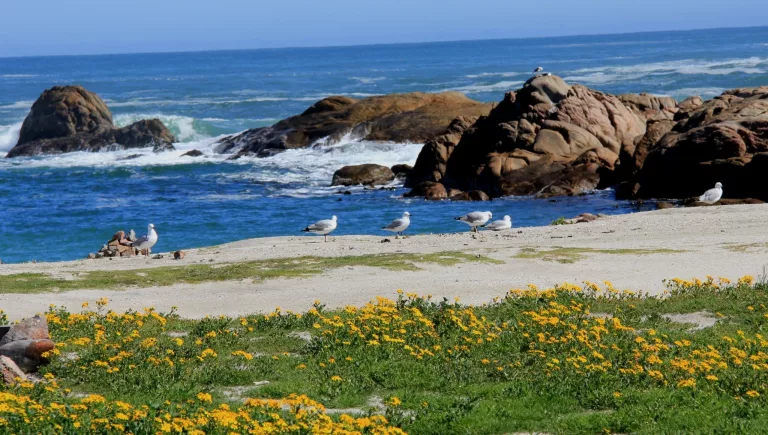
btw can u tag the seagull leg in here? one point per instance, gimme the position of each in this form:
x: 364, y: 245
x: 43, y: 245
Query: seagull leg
x: 325, y: 237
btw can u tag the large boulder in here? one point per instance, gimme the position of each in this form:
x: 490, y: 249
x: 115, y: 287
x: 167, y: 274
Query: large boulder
x: 413, y: 117
x: 367, y: 175
x: 547, y: 138
x: 26, y: 344
x: 70, y: 118
x: 721, y: 140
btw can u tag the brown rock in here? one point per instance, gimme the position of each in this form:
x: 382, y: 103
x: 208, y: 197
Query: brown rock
x: 27, y: 354
x: 178, y: 255
x: 193, y: 153
x: 401, y: 171
x: 429, y: 190
x: 433, y: 157
x: 474, y: 195
x: 721, y: 140
x: 28, y: 329
x: 120, y: 235
x: 10, y: 373
x: 413, y: 117
x: 69, y: 118
x: 368, y: 174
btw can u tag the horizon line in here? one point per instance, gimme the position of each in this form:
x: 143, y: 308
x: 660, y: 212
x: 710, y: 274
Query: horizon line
x: 378, y: 44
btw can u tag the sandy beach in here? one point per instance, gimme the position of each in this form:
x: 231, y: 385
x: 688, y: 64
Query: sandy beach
x: 636, y: 251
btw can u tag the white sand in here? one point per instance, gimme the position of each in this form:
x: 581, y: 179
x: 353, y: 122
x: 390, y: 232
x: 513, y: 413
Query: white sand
x: 721, y: 241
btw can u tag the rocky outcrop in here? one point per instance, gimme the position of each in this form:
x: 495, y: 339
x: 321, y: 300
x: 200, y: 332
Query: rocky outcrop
x: 413, y: 117
x: 401, y: 170
x: 69, y: 118
x: 26, y: 345
x: 366, y: 175
x: 548, y: 138
x: 721, y: 140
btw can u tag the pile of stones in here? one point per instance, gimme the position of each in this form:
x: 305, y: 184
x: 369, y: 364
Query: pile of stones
x: 120, y: 245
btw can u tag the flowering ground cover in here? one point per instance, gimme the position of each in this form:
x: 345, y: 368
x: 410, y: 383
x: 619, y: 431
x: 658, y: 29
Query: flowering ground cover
x: 570, y: 359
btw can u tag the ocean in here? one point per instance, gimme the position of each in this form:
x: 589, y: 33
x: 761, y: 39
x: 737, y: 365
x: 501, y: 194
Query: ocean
x: 63, y: 207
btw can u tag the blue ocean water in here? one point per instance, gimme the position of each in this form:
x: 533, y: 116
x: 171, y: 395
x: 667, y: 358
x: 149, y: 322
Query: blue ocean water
x: 62, y: 207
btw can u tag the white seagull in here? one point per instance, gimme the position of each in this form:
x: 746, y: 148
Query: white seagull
x: 538, y: 69
x: 323, y: 227
x: 147, y: 241
x: 475, y: 219
x: 713, y: 195
x: 501, y: 225
x: 399, y: 225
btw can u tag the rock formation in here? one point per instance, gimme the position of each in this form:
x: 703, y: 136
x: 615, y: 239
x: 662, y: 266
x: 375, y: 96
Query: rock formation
x: 724, y: 139
x: 548, y: 138
x: 413, y: 117
x: 69, y: 118
x: 367, y: 175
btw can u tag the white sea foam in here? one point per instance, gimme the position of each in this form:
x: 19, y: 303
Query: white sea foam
x: 9, y: 135
x: 494, y: 87
x: 368, y: 80
x: 182, y: 126
x: 706, y: 92
x: 494, y: 74
x: 611, y: 74
x: 303, y: 172
x: 17, y: 105
x: 18, y: 76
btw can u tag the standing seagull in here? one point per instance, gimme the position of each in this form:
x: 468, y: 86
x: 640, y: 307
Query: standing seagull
x: 713, y: 195
x: 323, y: 227
x: 475, y: 219
x: 538, y: 69
x: 501, y: 225
x: 147, y: 241
x: 399, y: 225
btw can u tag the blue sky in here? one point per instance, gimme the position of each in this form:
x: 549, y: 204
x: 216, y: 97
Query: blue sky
x: 49, y: 27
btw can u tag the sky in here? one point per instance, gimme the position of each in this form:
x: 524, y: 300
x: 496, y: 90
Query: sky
x: 71, y: 27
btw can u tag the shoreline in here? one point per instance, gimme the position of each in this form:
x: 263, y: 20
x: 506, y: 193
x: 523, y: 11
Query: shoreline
x: 634, y: 251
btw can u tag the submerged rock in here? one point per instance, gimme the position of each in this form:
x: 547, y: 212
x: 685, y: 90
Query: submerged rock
x: 413, y: 117
x: 367, y: 175
x: 193, y: 153
x: 70, y: 118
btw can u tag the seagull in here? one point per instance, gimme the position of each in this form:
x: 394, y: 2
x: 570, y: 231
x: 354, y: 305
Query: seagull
x: 501, y: 225
x: 713, y: 195
x: 399, y: 225
x: 323, y: 227
x: 147, y: 241
x: 547, y: 74
x: 538, y: 69
x: 475, y: 219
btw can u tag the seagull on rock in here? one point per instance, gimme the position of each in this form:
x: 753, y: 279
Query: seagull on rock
x: 399, y: 225
x: 322, y: 228
x: 147, y: 241
x: 538, y: 69
x: 501, y: 225
x: 713, y: 195
x: 475, y: 219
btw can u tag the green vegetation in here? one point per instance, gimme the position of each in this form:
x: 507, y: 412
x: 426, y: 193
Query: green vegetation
x: 747, y: 247
x: 560, y: 221
x: 572, y: 255
x: 257, y: 270
x: 533, y: 361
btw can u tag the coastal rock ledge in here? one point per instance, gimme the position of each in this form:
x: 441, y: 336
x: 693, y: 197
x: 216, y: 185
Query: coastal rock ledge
x: 413, y: 117
x: 70, y: 118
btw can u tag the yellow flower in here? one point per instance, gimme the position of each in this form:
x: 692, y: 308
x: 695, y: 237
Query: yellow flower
x: 336, y: 379
x: 204, y: 397
x: 711, y: 378
x: 753, y: 393
x: 616, y: 394
x: 394, y: 401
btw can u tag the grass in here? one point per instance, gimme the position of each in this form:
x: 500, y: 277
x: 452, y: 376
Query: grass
x: 560, y: 221
x: 572, y: 255
x: 533, y: 361
x: 301, y: 267
x: 747, y: 247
